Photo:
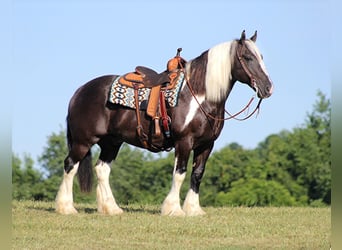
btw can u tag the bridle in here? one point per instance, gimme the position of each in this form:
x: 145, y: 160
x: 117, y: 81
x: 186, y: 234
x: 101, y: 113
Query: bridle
x: 245, y: 68
x: 234, y: 116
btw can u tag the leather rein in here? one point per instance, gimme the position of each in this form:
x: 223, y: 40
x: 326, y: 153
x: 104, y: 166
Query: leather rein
x: 234, y: 116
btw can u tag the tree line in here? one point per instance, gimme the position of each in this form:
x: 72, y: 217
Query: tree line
x: 290, y: 168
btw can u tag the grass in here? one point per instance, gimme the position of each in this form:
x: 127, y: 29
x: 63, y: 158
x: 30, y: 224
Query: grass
x: 35, y: 225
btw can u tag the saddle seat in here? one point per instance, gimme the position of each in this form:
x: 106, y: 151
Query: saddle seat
x: 144, y: 77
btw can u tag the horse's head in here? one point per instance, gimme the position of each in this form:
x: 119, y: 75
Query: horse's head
x: 249, y: 66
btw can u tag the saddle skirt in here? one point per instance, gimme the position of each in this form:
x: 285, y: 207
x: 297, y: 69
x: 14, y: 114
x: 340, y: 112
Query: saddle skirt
x: 124, y: 95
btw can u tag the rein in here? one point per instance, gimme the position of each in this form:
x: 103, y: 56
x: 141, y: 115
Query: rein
x: 230, y: 115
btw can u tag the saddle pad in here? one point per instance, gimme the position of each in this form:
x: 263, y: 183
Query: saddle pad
x: 124, y: 95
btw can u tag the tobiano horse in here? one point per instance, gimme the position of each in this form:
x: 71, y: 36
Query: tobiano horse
x: 196, y: 122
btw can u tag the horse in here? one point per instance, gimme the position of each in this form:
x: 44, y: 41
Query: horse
x: 196, y: 122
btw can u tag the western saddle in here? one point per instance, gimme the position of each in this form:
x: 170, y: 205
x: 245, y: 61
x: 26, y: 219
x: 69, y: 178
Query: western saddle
x: 144, y: 77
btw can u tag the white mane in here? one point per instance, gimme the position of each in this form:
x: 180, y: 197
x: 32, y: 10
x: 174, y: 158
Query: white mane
x: 218, y: 74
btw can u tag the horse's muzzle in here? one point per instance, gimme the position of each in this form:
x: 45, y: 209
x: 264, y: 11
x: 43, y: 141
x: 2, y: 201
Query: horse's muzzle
x: 265, y: 91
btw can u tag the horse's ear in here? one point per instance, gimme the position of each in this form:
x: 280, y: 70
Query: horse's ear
x: 254, y: 37
x: 243, y: 36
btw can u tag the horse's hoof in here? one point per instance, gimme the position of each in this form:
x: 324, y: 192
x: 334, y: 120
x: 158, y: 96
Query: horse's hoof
x: 178, y: 213
x: 65, y: 209
x: 115, y: 211
x: 109, y: 210
x: 194, y: 212
x: 172, y: 211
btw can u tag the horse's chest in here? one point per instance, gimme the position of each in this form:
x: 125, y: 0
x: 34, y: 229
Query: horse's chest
x: 192, y: 110
x: 189, y: 119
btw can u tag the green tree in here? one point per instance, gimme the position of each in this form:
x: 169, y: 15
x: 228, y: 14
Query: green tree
x: 319, y: 121
x: 311, y: 152
x: 274, y: 154
x: 54, y: 153
x: 129, y: 175
x: 25, y: 179
x: 155, y: 179
x: 256, y: 192
x: 301, y: 158
x: 223, y: 168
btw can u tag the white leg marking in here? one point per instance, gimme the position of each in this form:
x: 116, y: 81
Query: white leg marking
x: 193, y: 109
x: 106, y: 203
x: 64, y: 198
x: 171, y: 205
x: 191, y: 205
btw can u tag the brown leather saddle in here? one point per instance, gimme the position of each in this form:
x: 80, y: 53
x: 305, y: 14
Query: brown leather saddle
x: 144, y: 77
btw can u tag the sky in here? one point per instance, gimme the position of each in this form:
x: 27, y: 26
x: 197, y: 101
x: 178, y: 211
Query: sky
x: 57, y: 46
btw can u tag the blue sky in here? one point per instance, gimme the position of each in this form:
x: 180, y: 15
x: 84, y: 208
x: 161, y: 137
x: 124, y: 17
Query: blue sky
x: 56, y: 46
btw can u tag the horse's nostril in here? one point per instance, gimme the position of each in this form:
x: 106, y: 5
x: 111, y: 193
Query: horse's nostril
x: 270, y: 89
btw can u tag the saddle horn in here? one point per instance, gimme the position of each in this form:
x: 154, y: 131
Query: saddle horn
x: 179, y: 50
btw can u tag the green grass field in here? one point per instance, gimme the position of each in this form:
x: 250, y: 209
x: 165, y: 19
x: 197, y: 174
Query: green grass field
x: 35, y: 225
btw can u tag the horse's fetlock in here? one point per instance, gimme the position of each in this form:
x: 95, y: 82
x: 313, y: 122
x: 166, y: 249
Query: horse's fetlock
x: 68, y: 169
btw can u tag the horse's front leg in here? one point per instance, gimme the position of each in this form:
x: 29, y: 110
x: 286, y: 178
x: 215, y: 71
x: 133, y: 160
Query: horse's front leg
x: 106, y: 203
x: 171, y: 205
x: 191, y: 204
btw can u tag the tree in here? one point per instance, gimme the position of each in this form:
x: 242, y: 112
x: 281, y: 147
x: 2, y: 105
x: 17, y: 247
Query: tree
x: 52, y: 159
x: 256, y: 192
x: 25, y: 179
x: 301, y: 158
x: 138, y: 177
x: 312, y: 154
x: 275, y: 155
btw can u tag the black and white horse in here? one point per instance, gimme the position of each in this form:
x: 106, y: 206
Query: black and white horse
x: 197, y: 122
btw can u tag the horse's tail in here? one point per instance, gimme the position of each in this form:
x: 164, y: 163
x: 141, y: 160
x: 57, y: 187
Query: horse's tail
x: 85, y: 168
x: 85, y: 173
x: 68, y: 135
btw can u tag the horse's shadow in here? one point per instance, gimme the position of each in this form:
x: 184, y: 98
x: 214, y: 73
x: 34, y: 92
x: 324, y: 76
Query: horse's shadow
x: 41, y: 208
x: 92, y: 210
x: 141, y: 210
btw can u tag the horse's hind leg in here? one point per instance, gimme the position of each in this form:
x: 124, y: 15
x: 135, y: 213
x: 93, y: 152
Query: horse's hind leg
x: 64, y: 198
x: 106, y: 203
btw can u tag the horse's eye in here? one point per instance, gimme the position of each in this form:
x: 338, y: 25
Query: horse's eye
x: 247, y: 57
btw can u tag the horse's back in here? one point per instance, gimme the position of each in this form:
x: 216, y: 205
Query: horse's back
x: 92, y: 91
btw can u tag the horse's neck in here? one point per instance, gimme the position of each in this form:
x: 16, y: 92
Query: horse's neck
x: 219, y: 106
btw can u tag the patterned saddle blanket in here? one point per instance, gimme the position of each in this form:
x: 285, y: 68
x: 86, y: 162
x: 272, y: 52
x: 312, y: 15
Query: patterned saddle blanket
x: 124, y: 95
